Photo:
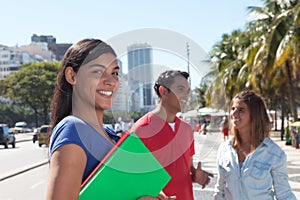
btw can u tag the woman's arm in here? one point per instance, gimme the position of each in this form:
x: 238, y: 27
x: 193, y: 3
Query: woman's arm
x: 67, y: 165
x: 219, y: 187
x: 280, y: 177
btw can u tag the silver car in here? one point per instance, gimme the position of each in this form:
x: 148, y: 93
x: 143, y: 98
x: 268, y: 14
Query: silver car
x: 6, y: 137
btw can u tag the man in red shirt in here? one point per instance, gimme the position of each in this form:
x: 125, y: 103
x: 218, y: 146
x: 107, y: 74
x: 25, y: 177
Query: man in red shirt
x: 169, y: 138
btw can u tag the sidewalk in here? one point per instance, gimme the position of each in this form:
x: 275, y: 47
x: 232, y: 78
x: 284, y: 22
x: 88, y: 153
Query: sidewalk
x: 293, y: 162
x: 206, y: 152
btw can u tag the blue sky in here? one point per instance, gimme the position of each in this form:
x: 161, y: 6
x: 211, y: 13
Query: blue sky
x: 202, y: 22
x: 70, y: 21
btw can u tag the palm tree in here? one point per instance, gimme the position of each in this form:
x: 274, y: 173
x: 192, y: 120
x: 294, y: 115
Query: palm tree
x: 279, y: 49
x: 227, y: 57
x: 264, y: 57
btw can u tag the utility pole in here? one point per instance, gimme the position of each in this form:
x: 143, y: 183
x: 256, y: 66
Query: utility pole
x: 188, y: 60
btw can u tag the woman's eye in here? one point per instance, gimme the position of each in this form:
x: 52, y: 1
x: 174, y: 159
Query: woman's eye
x: 241, y: 110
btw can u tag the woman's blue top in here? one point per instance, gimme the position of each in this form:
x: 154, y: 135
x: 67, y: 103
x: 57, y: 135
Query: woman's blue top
x: 72, y: 130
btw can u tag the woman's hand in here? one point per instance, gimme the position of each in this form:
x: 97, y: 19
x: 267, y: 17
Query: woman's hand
x: 161, y: 196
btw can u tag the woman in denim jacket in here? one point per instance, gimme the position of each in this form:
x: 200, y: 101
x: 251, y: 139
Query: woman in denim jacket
x: 250, y: 165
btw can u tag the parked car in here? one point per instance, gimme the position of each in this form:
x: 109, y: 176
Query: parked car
x: 21, y: 127
x: 42, y: 135
x: 6, y: 137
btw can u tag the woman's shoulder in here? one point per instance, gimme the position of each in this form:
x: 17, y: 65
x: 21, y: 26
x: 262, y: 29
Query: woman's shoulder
x: 225, y: 146
x: 69, y: 122
x: 227, y: 143
x: 224, y: 153
x: 69, y: 129
x: 273, y: 148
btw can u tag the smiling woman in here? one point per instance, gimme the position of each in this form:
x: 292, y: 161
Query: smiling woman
x: 85, y: 87
x: 86, y: 84
x: 251, y: 159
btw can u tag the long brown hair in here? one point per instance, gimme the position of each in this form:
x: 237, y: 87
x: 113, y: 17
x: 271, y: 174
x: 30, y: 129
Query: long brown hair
x: 78, y: 54
x: 259, y: 119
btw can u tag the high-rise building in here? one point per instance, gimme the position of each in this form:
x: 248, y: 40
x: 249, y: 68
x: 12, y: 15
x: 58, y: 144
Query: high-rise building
x: 120, y: 103
x: 140, y: 77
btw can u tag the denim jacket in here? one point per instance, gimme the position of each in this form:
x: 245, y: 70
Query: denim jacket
x: 262, y: 176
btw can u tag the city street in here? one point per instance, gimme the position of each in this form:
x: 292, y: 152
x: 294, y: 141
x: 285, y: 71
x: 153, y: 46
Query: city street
x: 32, y: 178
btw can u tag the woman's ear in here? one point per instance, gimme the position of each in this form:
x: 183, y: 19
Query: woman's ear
x: 70, y: 75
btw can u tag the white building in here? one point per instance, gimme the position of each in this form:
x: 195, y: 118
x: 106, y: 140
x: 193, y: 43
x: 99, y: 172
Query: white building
x: 11, y: 60
x: 120, y: 103
x: 39, y: 50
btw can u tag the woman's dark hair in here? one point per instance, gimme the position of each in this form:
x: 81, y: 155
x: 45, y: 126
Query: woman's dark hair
x: 259, y: 118
x: 78, y: 54
x: 167, y: 78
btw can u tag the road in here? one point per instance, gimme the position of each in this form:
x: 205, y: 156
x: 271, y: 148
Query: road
x: 23, y: 172
x: 24, y: 156
x: 30, y: 185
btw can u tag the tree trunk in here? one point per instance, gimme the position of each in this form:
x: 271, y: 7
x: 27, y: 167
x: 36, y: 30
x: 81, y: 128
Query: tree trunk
x: 282, y: 112
x: 45, y: 113
x: 275, y: 121
x: 36, y: 117
x: 292, y: 100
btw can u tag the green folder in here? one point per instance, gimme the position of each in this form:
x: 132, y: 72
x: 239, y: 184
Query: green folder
x: 127, y: 172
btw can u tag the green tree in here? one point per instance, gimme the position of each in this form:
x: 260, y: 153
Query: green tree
x: 108, y: 118
x: 279, y: 48
x: 200, y: 93
x: 264, y: 57
x: 31, y: 88
x: 228, y: 72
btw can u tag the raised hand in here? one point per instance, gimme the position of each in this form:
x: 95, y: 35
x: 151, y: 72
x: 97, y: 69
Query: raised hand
x: 201, y: 177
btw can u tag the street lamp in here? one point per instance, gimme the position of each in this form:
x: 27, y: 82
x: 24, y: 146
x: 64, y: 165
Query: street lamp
x: 188, y: 60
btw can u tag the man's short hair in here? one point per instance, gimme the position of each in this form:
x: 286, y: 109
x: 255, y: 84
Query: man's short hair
x: 166, y: 79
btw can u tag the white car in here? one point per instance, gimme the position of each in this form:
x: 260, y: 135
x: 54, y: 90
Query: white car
x: 21, y: 127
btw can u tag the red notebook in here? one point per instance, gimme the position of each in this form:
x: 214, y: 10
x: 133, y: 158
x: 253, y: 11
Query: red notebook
x: 127, y: 172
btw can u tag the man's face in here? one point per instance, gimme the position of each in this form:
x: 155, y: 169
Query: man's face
x: 178, y: 96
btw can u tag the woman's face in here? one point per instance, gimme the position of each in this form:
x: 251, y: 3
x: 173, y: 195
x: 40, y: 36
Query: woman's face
x: 97, y: 82
x: 240, y: 116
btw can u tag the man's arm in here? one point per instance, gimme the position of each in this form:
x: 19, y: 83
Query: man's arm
x: 200, y: 176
